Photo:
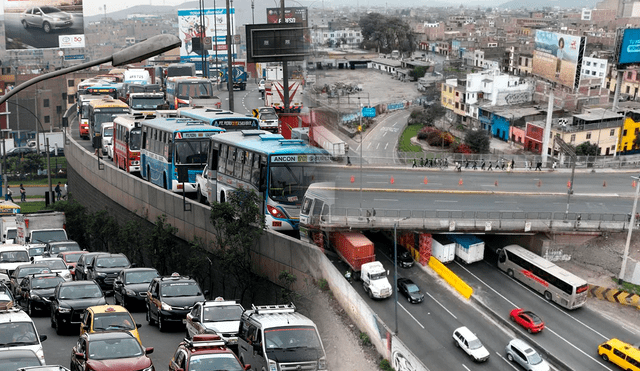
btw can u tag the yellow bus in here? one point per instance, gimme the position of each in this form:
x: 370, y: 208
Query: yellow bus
x: 620, y: 353
x: 101, y: 111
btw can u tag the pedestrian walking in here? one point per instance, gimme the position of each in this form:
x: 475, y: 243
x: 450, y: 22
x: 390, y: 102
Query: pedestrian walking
x: 58, y: 191
x: 23, y: 193
x: 555, y: 164
x: 539, y: 166
x: 458, y: 166
x: 466, y: 164
x: 490, y: 166
x: 502, y: 163
x: 482, y: 165
x: 8, y: 195
x: 414, y: 163
x: 431, y: 163
x: 421, y: 161
x: 475, y: 165
x: 513, y: 164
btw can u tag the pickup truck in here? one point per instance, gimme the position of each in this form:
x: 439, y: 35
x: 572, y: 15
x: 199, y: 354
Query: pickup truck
x: 202, y: 187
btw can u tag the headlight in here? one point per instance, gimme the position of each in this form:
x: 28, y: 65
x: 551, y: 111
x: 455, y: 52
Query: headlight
x: 64, y: 310
x: 35, y: 297
x: 130, y: 292
x: 101, y: 274
x: 273, y: 366
x: 166, y: 306
x: 67, y: 276
x: 322, y: 363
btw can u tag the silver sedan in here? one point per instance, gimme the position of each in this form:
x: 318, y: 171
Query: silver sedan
x: 46, y: 17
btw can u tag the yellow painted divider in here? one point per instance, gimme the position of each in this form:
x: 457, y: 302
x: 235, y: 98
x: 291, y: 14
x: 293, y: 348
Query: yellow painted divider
x: 451, y: 278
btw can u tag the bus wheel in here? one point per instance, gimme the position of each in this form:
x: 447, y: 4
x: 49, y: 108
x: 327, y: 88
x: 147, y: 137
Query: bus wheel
x: 548, y: 296
x: 510, y: 272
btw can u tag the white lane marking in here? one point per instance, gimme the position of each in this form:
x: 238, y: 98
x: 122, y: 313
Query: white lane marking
x: 414, y: 318
x: 465, y: 367
x: 386, y: 145
x: 507, y: 361
x: 578, y: 349
x: 443, y: 307
x: 505, y: 202
x: 358, y: 147
x: 369, y: 145
x: 445, y: 201
x: 378, y: 146
x: 384, y: 133
x: 385, y: 199
x: 490, y: 288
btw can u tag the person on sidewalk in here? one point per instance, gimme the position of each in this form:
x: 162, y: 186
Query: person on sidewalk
x: 8, y: 195
x: 491, y: 166
x: 23, y: 193
x: 414, y: 163
x: 539, y: 166
x: 482, y: 165
x: 475, y: 165
x: 513, y: 164
x: 58, y: 191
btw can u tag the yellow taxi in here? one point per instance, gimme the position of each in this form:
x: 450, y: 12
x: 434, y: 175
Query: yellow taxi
x: 106, y: 318
x: 620, y: 353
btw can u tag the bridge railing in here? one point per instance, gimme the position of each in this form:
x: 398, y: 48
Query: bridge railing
x: 472, y: 221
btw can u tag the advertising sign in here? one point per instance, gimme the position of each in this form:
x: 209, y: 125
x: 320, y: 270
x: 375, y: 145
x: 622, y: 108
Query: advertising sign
x: 41, y: 24
x: 558, y: 57
x: 215, y: 28
x: 291, y: 15
x: 71, y: 41
x: 629, y: 47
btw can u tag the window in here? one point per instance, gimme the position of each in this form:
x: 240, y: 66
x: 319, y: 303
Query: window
x: 71, y: 83
x: 45, y: 103
x: 618, y: 353
x: 612, y: 132
x: 573, y: 138
x: 588, y: 135
x: 70, y: 99
x: 47, y: 119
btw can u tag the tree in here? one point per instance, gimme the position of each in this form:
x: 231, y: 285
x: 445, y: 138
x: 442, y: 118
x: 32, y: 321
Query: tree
x: 418, y: 72
x: 587, y: 149
x: 238, y: 225
x: 387, y: 32
x: 478, y: 141
x: 161, y: 246
x: 76, y: 217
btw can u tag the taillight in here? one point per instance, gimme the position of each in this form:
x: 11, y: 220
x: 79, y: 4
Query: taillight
x: 275, y: 212
x: 175, y: 103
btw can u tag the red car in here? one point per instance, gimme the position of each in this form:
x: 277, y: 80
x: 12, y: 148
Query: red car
x: 205, y: 352
x: 106, y: 351
x: 527, y: 319
x: 71, y: 259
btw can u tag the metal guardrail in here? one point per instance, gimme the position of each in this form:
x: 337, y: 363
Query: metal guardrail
x: 472, y: 221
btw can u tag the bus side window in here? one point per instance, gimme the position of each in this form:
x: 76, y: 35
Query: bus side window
x: 502, y: 257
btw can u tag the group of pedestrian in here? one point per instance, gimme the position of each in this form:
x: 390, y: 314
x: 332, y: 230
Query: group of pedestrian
x: 8, y: 196
x: 482, y: 164
x: 438, y: 162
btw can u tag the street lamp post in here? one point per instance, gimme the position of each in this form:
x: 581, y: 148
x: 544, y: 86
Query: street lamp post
x: 361, y: 145
x: 632, y: 222
x: 395, y: 268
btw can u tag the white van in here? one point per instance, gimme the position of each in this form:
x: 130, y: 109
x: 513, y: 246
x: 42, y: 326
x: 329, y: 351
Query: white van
x: 17, y: 331
x: 276, y: 337
x: 107, y: 139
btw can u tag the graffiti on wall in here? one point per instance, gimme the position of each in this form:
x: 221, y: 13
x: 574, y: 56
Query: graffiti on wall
x: 554, y: 254
x: 518, y: 98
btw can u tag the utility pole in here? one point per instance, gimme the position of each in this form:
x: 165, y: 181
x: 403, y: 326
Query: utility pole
x: 285, y: 69
x: 229, y: 61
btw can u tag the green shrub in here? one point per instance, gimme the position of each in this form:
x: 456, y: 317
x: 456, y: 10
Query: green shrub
x: 364, y: 338
x: 385, y: 365
x: 323, y: 284
x: 405, y: 139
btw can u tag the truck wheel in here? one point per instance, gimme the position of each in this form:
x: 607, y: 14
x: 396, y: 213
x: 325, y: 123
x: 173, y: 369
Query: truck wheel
x: 199, y: 195
x: 370, y: 294
x: 548, y: 296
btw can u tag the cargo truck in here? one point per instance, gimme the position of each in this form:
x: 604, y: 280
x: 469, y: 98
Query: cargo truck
x: 8, y: 228
x: 375, y: 281
x: 238, y: 75
x: 321, y: 137
x: 36, y: 229
x: 443, y: 249
x: 354, y: 249
x: 469, y: 248
x: 274, y: 95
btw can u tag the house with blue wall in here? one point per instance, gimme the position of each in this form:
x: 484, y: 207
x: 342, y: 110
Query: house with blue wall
x: 500, y: 120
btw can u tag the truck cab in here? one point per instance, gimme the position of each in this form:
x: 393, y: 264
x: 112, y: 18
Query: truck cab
x: 375, y: 281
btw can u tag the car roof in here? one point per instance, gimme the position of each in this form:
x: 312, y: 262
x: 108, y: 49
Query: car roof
x: 139, y: 269
x: 17, y: 352
x: 520, y: 344
x: 108, y: 335
x: 38, y: 265
x: 78, y: 283
x: 108, y: 308
x: 72, y: 252
x: 220, y: 303
x: 14, y: 315
x: 466, y: 333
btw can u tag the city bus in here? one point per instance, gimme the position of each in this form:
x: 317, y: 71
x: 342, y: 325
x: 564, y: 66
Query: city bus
x: 127, y: 134
x: 180, y: 89
x: 553, y: 282
x: 111, y: 89
x: 83, y: 113
x: 101, y: 111
x: 172, y: 146
x: 230, y: 121
x: 279, y: 170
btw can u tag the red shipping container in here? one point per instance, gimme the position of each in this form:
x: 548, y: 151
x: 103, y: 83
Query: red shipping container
x: 424, y: 242
x: 354, y: 248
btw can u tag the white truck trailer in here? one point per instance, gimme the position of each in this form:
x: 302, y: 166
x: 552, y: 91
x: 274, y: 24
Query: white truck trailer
x: 443, y: 248
x: 469, y: 248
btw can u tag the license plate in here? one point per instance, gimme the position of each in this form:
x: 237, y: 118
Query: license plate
x: 184, y: 320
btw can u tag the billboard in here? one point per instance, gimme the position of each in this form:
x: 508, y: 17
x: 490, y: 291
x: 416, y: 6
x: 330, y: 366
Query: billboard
x: 558, y: 57
x: 274, y: 42
x: 42, y: 24
x: 215, y: 29
x: 628, y: 42
x: 291, y: 15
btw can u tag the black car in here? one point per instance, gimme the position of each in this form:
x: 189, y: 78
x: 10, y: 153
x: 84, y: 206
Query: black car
x: 22, y: 271
x: 169, y: 299
x: 83, y: 264
x: 409, y: 289
x: 70, y: 299
x: 405, y: 260
x: 131, y: 284
x: 34, y: 291
x: 54, y: 248
x: 105, y: 268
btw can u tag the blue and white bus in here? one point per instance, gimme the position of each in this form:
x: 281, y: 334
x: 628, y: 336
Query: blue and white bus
x: 230, y: 121
x: 279, y: 170
x: 171, y: 146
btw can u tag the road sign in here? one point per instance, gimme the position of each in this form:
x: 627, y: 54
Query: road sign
x: 75, y: 57
x: 368, y: 112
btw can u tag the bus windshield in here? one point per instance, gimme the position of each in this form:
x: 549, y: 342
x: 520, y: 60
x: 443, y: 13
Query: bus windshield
x: 192, y: 151
x: 289, y: 182
x: 188, y: 90
x: 134, y: 139
x: 146, y: 103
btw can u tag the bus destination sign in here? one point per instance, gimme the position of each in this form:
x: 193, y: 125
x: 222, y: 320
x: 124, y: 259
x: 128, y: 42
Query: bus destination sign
x: 299, y: 158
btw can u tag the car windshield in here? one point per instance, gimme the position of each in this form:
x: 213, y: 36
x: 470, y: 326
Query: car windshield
x: 14, y: 362
x: 32, y: 270
x: 49, y: 10
x: 223, y: 313
x: 475, y: 344
x: 175, y: 289
x: 48, y: 236
x: 269, y: 116
x: 17, y: 334
x: 112, y: 321
x: 14, y: 256
x: 279, y: 338
x: 57, y: 264
x: 72, y: 258
x: 114, y: 348
x: 80, y: 292
x: 36, y: 251
x: 140, y: 277
x: 56, y: 249
x: 533, y: 357
x: 46, y: 282
x: 215, y: 362
x: 112, y: 262
x: 412, y: 288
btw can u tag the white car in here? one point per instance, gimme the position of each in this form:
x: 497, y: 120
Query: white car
x: 523, y: 354
x: 57, y: 265
x: 11, y: 256
x: 466, y: 340
x: 217, y: 316
x: 261, y: 86
x: 17, y: 331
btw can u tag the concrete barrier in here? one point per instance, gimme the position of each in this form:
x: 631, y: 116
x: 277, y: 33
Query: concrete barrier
x: 614, y: 295
x: 451, y: 278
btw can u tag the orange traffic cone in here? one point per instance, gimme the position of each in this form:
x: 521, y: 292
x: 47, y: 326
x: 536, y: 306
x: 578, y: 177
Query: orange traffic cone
x: 353, y: 179
x: 568, y: 184
x: 460, y: 182
x: 392, y: 180
x: 633, y: 184
x: 426, y: 180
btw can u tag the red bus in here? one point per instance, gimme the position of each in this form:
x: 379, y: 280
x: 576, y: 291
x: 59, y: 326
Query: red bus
x: 127, y: 136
